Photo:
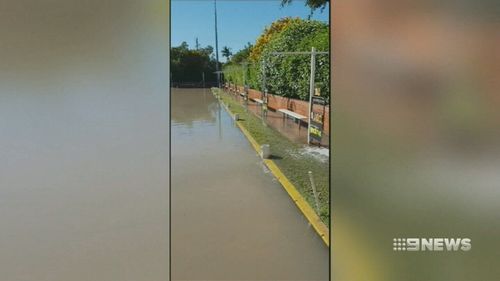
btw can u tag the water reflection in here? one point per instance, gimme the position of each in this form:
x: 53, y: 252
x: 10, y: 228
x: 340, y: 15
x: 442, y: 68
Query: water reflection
x: 189, y: 109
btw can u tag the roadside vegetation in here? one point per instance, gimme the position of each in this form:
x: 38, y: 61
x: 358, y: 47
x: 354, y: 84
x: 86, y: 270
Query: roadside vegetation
x: 286, y: 76
x: 290, y: 157
x: 189, y: 65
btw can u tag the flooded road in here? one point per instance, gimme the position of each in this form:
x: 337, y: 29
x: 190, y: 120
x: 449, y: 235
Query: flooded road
x: 231, y: 220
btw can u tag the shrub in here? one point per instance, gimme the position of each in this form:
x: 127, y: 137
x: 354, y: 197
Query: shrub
x: 268, y: 34
x: 289, y: 75
x: 286, y: 75
x: 234, y: 73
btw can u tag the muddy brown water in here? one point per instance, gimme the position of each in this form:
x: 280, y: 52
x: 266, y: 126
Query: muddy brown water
x: 231, y: 219
x: 83, y: 184
x: 84, y: 152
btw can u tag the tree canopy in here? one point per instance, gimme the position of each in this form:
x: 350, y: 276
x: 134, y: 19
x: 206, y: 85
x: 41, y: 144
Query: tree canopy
x: 313, y: 4
x: 242, y: 55
x: 285, y: 75
x: 226, y: 52
x: 289, y: 75
x: 187, y: 65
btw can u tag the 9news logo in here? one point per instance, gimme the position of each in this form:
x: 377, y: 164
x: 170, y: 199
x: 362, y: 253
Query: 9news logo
x: 431, y: 244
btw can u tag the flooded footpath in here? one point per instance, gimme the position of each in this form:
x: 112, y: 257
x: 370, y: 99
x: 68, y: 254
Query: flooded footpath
x: 230, y: 218
x: 290, y: 128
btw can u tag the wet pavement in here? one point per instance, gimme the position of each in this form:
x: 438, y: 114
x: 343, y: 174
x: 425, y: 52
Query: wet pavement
x: 230, y: 219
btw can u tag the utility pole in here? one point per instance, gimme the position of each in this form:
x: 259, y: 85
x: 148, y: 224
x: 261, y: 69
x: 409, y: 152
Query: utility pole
x: 197, y: 44
x: 216, y: 46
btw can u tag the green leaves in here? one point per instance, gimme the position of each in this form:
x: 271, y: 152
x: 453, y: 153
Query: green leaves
x: 226, y: 52
x: 289, y: 75
x: 188, y: 65
x: 313, y: 4
x: 286, y: 75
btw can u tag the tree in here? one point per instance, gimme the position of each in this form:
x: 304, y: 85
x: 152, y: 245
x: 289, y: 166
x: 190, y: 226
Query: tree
x: 286, y: 76
x: 183, y: 46
x: 187, y: 65
x: 242, y: 55
x: 208, y: 50
x: 268, y: 34
x: 289, y: 75
x: 226, y: 52
x: 313, y: 4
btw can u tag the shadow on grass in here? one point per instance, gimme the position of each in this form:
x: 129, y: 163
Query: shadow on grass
x: 274, y: 157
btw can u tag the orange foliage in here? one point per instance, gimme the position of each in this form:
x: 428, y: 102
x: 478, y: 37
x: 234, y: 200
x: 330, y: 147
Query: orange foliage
x: 270, y: 31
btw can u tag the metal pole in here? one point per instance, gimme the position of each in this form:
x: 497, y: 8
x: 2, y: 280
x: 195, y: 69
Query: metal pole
x: 311, y: 91
x: 245, y: 66
x: 216, y: 46
x: 316, y: 199
x: 263, y: 65
x: 264, y: 88
x: 203, y: 78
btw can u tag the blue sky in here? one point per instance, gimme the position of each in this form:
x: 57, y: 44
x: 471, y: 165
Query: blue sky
x: 239, y: 21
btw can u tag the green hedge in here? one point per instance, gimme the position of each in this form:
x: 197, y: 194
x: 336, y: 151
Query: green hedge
x: 234, y: 74
x: 289, y: 75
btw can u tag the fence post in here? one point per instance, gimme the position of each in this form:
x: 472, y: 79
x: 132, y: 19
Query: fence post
x: 316, y: 199
x: 311, y: 91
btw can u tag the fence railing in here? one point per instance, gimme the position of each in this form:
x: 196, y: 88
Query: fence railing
x: 206, y: 84
x: 276, y: 102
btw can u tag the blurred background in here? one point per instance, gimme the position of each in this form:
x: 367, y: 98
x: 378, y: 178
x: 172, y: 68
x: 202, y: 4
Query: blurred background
x: 416, y: 137
x: 84, y: 140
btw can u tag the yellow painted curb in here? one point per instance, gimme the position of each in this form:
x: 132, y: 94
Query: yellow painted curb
x: 308, y: 212
x: 252, y: 141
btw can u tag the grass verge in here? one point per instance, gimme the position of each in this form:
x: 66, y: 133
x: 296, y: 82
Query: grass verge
x: 287, y: 155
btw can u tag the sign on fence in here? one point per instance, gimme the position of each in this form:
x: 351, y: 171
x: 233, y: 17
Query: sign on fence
x: 317, y: 118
